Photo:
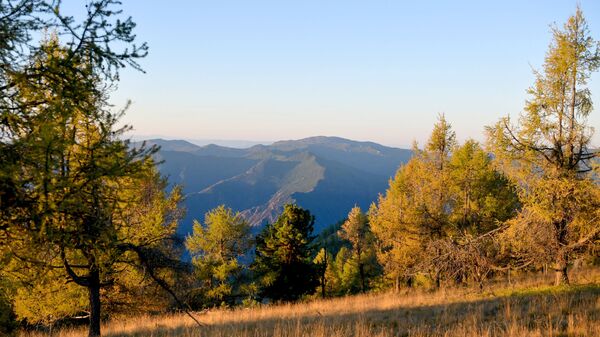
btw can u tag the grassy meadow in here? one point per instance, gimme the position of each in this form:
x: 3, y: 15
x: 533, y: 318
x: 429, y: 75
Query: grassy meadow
x: 527, y: 307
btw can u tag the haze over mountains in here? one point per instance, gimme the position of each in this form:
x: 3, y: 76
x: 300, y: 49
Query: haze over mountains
x: 235, y: 143
x: 327, y: 175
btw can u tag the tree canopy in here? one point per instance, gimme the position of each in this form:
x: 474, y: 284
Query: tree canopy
x: 548, y: 155
x: 78, y: 203
x: 217, y: 248
x: 445, y: 193
x: 283, y: 256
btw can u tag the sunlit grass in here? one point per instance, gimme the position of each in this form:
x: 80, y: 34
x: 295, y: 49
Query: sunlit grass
x: 529, y: 307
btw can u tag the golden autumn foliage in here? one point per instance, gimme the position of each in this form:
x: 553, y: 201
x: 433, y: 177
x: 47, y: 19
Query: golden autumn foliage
x: 548, y: 155
x: 445, y: 192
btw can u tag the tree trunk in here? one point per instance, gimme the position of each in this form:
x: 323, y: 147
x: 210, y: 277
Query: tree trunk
x: 562, y: 259
x: 323, y: 280
x: 561, y: 275
x: 94, y: 296
x: 324, y: 274
x: 361, y: 269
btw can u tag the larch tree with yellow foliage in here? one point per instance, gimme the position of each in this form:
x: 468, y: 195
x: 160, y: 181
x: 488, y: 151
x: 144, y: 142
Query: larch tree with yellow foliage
x: 443, y: 198
x: 87, y: 206
x: 415, y: 207
x: 79, y: 204
x: 549, y: 157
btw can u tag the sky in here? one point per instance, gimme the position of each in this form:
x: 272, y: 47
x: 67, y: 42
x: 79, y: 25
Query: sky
x: 366, y: 70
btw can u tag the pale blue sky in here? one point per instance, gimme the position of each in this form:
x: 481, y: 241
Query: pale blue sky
x: 365, y: 70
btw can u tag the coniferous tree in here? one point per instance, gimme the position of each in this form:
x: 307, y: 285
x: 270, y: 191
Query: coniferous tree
x: 341, y: 274
x: 216, y: 249
x: 442, y: 198
x: 331, y: 243
x: 71, y: 187
x: 548, y: 155
x: 357, y: 231
x: 322, y: 263
x: 482, y: 196
x: 415, y: 208
x: 283, y: 256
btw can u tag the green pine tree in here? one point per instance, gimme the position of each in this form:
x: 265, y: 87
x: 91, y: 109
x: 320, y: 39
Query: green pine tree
x: 283, y: 256
x: 216, y: 249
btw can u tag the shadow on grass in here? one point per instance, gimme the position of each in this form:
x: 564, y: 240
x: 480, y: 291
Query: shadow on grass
x: 529, y: 309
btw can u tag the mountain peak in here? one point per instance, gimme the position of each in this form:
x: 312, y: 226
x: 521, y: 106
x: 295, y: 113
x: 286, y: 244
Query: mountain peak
x: 327, y: 175
x: 322, y: 144
x: 318, y: 140
x: 173, y: 145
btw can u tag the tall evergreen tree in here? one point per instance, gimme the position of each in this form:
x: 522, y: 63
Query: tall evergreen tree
x: 216, y: 249
x: 548, y: 155
x: 357, y: 231
x: 283, y: 256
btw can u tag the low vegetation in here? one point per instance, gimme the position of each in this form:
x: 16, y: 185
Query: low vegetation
x: 528, y: 307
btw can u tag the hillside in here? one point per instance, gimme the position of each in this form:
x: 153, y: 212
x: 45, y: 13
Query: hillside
x: 327, y: 175
x: 526, y: 307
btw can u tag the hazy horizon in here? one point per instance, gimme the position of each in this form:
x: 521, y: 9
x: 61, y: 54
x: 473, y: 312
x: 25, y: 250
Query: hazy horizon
x: 377, y: 71
x: 246, y: 143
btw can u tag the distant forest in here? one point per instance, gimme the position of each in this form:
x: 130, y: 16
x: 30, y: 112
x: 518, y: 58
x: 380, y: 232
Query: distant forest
x: 88, y: 226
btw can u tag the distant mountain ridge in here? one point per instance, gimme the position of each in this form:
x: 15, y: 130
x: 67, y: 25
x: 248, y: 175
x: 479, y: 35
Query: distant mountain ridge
x: 327, y: 175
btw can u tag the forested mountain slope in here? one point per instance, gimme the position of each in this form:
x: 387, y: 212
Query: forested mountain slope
x: 328, y: 175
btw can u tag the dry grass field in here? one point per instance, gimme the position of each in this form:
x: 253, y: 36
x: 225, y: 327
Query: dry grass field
x: 529, y: 308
